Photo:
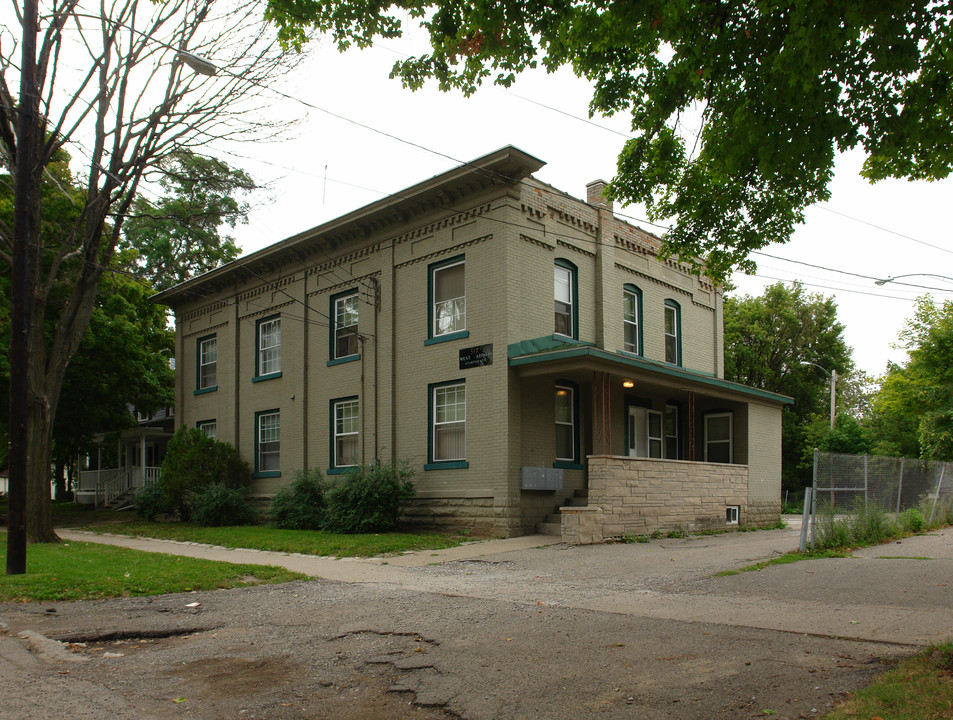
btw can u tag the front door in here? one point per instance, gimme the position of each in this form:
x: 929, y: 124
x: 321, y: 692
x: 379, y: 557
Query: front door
x: 645, y: 433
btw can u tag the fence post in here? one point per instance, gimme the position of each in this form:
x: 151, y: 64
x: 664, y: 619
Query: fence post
x: 900, y: 488
x: 866, y: 497
x: 805, y: 519
x: 936, y: 497
x: 814, y: 500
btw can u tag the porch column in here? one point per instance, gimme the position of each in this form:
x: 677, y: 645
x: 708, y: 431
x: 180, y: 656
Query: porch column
x: 691, y: 425
x: 601, y: 414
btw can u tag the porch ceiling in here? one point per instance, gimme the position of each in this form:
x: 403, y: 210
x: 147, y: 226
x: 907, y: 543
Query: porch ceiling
x: 566, y: 360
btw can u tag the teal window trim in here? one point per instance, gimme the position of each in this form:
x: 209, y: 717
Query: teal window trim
x: 447, y: 338
x: 432, y: 270
x: 343, y: 360
x: 333, y: 358
x: 333, y: 467
x: 432, y: 463
x: 447, y: 465
x: 202, y: 424
x: 199, y: 388
x: 677, y: 407
x: 259, y: 376
x: 574, y: 290
x: 562, y: 465
x: 265, y: 473
x: 574, y: 388
x: 637, y: 293
x: 677, y: 309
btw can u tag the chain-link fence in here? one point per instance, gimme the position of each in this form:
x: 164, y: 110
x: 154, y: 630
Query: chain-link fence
x: 845, y: 484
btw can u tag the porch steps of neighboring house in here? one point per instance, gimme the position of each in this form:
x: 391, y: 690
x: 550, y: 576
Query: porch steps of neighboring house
x: 552, y: 525
x: 122, y: 500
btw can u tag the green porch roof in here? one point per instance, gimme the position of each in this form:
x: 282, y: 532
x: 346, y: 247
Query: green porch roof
x: 554, y: 348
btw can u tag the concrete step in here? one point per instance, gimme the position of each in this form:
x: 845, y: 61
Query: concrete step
x: 549, y: 528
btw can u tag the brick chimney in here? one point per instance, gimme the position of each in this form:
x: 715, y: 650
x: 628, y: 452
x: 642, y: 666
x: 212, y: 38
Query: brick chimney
x: 594, y: 194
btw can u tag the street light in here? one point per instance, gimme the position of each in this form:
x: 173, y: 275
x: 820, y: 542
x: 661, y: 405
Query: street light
x: 884, y: 281
x: 833, y: 376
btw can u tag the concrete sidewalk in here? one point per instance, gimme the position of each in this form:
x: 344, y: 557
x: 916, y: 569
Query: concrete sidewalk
x: 885, y: 594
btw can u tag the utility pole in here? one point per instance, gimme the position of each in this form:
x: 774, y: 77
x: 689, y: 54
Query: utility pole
x: 833, y: 394
x: 22, y: 291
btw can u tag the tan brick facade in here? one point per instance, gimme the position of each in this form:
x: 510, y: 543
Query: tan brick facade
x: 509, y: 231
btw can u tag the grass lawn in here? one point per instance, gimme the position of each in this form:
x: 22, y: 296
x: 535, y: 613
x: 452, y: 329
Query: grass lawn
x: 917, y: 688
x: 88, y: 571
x: 262, y: 537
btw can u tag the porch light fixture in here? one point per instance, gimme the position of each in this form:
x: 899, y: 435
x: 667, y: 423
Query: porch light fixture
x: 628, y: 384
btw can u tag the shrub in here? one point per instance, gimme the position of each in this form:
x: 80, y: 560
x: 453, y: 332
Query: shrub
x: 302, y: 505
x: 150, y: 502
x: 194, y: 461
x: 368, y: 498
x: 217, y: 505
x: 912, y: 521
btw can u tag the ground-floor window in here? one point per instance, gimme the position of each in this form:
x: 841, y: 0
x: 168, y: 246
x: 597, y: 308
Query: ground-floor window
x: 268, y: 442
x: 567, y: 417
x: 718, y: 445
x: 209, y: 428
x: 448, y: 411
x: 346, y: 432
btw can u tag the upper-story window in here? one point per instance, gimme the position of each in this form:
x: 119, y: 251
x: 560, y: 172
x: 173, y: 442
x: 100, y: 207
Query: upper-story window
x: 632, y: 319
x: 344, y: 333
x: 206, y: 364
x: 565, y: 292
x: 269, y: 347
x: 448, y: 301
x: 673, y: 333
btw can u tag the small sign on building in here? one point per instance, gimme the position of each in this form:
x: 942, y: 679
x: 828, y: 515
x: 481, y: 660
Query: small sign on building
x: 476, y: 356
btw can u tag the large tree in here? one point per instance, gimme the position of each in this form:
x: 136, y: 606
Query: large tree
x: 114, y: 83
x: 913, y: 411
x: 768, y: 338
x: 737, y: 107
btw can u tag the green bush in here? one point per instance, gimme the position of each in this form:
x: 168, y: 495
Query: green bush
x: 150, y: 502
x: 302, y: 505
x: 872, y: 525
x: 194, y: 461
x: 368, y: 498
x: 912, y: 521
x: 217, y: 505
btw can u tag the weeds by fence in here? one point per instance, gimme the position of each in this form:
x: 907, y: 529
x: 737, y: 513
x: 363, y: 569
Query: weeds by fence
x: 865, y: 498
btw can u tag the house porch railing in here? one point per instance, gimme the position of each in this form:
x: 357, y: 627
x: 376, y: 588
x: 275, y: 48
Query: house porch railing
x: 107, y: 484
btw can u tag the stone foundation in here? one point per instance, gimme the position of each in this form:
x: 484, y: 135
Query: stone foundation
x: 480, y: 517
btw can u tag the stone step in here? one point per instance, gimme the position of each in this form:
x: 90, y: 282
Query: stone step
x: 576, y: 501
x: 549, y: 528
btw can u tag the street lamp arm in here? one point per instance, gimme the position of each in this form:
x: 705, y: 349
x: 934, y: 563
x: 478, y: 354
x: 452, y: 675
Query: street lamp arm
x: 884, y: 281
x: 820, y: 367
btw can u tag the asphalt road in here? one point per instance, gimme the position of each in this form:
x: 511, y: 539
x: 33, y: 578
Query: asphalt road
x: 501, y: 629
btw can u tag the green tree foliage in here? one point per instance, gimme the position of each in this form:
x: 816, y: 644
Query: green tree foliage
x: 774, y: 90
x: 913, y: 411
x: 767, y: 338
x: 181, y: 235
x: 195, y: 461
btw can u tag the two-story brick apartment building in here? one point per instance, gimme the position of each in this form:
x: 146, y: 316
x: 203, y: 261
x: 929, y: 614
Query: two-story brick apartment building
x: 514, y: 343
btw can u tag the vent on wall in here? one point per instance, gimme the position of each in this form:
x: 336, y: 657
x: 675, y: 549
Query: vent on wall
x: 539, y: 478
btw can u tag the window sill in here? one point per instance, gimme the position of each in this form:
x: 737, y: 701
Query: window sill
x: 202, y: 391
x: 266, y: 474
x: 566, y: 465
x: 341, y: 470
x: 269, y: 376
x: 341, y: 361
x: 447, y: 465
x: 448, y: 337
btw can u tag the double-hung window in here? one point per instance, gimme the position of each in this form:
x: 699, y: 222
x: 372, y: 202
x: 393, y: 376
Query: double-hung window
x: 565, y: 292
x: 344, y: 333
x: 718, y: 444
x: 209, y: 428
x: 448, y: 298
x: 673, y: 333
x: 632, y: 319
x: 448, y: 412
x: 206, y: 364
x: 567, y: 424
x: 269, y: 347
x: 671, y: 432
x: 346, y: 419
x: 268, y: 443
